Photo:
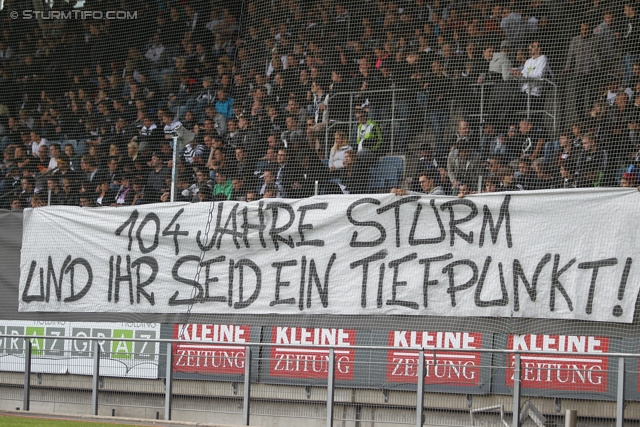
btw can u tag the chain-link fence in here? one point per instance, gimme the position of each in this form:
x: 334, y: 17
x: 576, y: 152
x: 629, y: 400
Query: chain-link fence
x: 196, y: 380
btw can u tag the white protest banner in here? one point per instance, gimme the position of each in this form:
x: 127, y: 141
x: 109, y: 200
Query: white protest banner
x: 553, y: 254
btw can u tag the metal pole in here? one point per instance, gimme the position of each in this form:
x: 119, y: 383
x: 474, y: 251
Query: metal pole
x: 246, y: 397
x: 393, y: 119
x: 481, y: 101
x: 168, y: 388
x: 479, y: 184
x: 48, y: 197
x: 350, y: 116
x: 620, y: 394
x: 555, y: 111
x: 326, y: 132
x: 420, y: 389
x: 529, y: 103
x: 331, y: 387
x: 27, y: 374
x: 516, y: 392
x: 571, y: 418
x: 315, y: 188
x: 96, y: 376
x: 174, y: 169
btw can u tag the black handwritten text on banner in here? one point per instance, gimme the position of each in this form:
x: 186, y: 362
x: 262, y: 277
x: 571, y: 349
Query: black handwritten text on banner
x: 563, y: 255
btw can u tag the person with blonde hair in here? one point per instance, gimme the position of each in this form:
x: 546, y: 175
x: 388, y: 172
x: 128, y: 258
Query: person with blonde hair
x: 338, y: 151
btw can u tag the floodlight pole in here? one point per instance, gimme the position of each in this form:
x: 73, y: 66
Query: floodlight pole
x: 174, y: 167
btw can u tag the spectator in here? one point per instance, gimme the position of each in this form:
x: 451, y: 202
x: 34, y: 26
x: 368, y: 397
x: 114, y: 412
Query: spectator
x: 36, y: 142
x: 285, y: 174
x: 583, y: 63
x: 337, y: 154
x: 368, y: 134
x: 268, y: 179
x: 617, y: 138
x: 463, y: 135
x: 192, y: 152
x: 156, y: 178
x: 628, y: 180
x: 105, y: 195
x: 463, y: 165
x: 54, y: 192
x: 69, y: 195
x: 36, y: 202
x: 427, y: 181
x: 491, y: 184
x: 606, y: 40
x: 224, y: 104
x: 536, y: 67
x: 439, y: 95
x: 595, y: 121
x: 223, y: 186
x: 28, y: 190
x: 354, y: 176
x: 291, y: 132
x: 501, y: 94
x: 568, y: 156
x: 16, y: 204
x: 149, y: 135
x: 320, y: 114
x: 531, y: 140
x: 54, y: 153
x: 239, y: 192
x: 244, y: 168
x: 546, y: 177
x: 592, y: 163
x: 271, y: 191
x: 93, y: 174
x: 525, y: 178
x: 308, y: 171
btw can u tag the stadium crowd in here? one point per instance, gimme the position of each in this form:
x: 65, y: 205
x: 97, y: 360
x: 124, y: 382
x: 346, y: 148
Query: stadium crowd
x: 286, y: 98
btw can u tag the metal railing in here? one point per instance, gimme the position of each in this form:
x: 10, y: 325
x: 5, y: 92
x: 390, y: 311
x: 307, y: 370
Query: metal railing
x: 393, y: 119
x: 252, y: 354
x: 528, y: 112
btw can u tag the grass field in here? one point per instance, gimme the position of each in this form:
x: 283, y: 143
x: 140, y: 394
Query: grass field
x: 14, y: 421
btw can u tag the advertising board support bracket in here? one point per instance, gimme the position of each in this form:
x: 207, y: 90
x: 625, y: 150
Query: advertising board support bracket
x: 168, y: 388
x: 420, y: 389
x: 620, y: 394
x: 516, y: 391
x: 247, y: 386
x: 27, y: 375
x: 96, y: 377
x: 571, y: 418
x: 331, y: 386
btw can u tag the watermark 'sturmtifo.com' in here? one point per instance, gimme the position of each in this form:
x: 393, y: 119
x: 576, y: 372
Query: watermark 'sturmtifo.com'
x: 74, y: 14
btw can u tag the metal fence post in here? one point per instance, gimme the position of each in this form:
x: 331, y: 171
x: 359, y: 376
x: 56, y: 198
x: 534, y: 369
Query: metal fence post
x: 246, y: 397
x: 393, y: 117
x: 420, y: 389
x: 27, y: 374
x: 516, y: 392
x: 571, y: 418
x: 620, y: 394
x: 481, y: 102
x: 168, y: 387
x: 555, y: 111
x: 96, y: 377
x: 350, y: 117
x: 330, y: 386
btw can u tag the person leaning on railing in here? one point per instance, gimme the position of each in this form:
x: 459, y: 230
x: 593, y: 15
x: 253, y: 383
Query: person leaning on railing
x: 536, y: 67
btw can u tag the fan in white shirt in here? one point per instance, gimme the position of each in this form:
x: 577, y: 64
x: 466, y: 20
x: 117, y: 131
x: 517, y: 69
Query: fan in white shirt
x: 536, y: 67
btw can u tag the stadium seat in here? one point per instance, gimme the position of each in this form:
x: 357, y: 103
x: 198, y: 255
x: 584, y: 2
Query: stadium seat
x: 388, y: 173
